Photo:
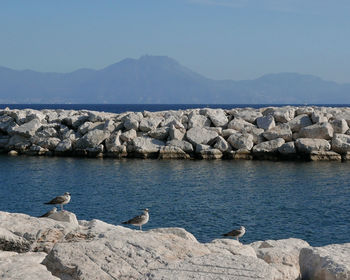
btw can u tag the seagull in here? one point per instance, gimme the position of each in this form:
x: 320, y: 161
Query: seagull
x: 139, y: 220
x: 62, y: 199
x: 236, y: 232
x: 53, y: 210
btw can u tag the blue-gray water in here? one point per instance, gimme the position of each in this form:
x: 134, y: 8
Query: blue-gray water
x: 274, y: 200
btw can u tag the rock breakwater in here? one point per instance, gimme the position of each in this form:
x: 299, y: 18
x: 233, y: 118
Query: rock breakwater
x: 60, y: 247
x: 289, y: 132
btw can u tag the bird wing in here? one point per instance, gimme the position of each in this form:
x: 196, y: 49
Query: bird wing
x: 234, y: 232
x: 135, y: 220
x: 57, y: 200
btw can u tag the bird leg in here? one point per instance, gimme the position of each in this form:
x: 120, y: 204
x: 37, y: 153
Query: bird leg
x: 62, y: 207
x: 141, y: 227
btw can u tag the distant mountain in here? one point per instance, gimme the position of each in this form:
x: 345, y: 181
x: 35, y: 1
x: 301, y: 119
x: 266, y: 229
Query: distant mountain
x: 160, y: 79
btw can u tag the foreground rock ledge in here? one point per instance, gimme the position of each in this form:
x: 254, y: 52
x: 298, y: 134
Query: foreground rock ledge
x: 306, y: 132
x: 44, y: 248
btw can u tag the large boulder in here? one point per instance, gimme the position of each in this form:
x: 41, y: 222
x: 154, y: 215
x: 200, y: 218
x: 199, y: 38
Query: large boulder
x: 239, y: 124
x: 217, y: 116
x: 299, y: 122
x: 26, y: 266
x: 281, y: 114
x: 172, y: 152
x: 221, y: 144
x: 287, y: 148
x: 148, y: 124
x: 28, y: 129
x: 23, y: 233
x: 87, y: 126
x: 266, y: 122
x: 201, y: 135
x: 326, y: 263
x: 249, y: 115
x: 64, y: 146
x: 160, y: 133
x: 322, y: 130
x: 92, y: 139
x: 269, y: 146
x: 146, y: 146
x: 341, y: 143
x: 196, y: 120
x: 280, y: 131
x: 339, y: 126
x: 241, y: 141
x: 282, y: 254
x: 183, y: 145
x: 308, y: 145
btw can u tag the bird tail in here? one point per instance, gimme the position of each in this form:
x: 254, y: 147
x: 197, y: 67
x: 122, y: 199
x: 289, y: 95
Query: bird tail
x: 47, y: 203
x: 124, y: 223
x: 225, y: 234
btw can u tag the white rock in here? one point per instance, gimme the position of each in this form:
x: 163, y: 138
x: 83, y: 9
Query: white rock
x: 176, y: 134
x: 183, y: 145
x: 282, y: 254
x: 339, y: 126
x: 249, y: 115
x: 320, y: 130
x: 199, y: 135
x: 238, y: 124
x: 287, y: 148
x: 65, y: 216
x: 221, y: 144
x: 128, y: 135
x: 160, y: 133
x: 147, y: 145
x: 217, y: 116
x: 269, y: 146
x: 28, y: 129
x: 241, y: 141
x: 114, y: 140
x: 281, y: 114
x: 319, y: 117
x: 299, y: 122
x: 87, y: 126
x: 92, y: 139
x: 279, y: 131
x: 25, y: 266
x: 198, y: 121
x: 341, y: 143
x: 326, y: 263
x: 308, y: 145
x: 64, y: 146
x: 147, y: 124
x: 266, y: 122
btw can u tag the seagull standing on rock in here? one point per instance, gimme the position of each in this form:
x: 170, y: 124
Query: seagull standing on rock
x: 53, y: 210
x: 62, y: 199
x: 139, y: 220
x: 236, y: 233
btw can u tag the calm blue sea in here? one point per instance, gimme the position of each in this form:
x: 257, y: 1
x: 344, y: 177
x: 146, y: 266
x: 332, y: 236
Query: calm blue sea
x: 273, y: 200
x: 120, y: 108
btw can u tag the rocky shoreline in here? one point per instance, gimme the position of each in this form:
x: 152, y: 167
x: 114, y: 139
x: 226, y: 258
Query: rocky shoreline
x: 61, y: 247
x: 292, y: 133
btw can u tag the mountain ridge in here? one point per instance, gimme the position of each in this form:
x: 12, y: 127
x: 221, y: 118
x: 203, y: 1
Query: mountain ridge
x: 161, y: 79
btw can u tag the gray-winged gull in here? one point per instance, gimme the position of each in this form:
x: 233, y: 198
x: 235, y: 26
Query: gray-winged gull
x: 139, y: 220
x: 53, y: 210
x: 61, y: 200
x: 236, y: 233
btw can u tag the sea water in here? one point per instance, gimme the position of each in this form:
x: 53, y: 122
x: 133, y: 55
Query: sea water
x: 273, y: 200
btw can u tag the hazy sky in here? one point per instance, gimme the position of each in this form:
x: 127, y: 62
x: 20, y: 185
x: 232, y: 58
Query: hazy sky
x: 221, y: 39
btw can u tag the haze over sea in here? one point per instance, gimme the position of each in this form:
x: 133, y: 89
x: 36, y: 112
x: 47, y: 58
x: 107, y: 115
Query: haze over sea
x: 273, y: 200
